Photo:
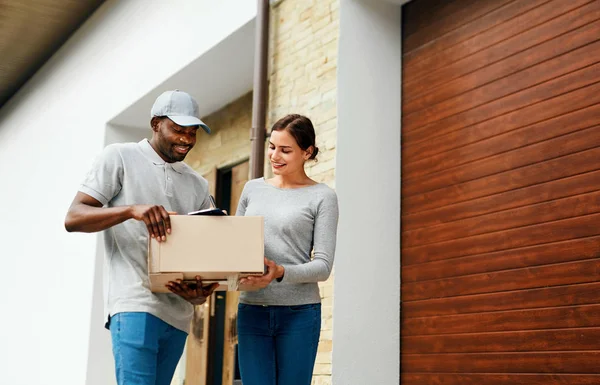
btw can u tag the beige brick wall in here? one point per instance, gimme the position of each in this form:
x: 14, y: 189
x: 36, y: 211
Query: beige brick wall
x: 229, y: 141
x: 303, y: 47
x: 302, y: 79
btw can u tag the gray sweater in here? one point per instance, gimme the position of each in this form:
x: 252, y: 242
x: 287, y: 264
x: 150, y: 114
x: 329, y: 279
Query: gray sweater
x: 297, y: 221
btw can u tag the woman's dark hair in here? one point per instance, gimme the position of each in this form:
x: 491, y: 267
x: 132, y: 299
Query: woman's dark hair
x: 301, y: 128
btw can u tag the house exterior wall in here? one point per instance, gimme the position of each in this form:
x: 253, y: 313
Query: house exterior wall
x: 49, y: 134
x: 304, y: 78
x: 105, y: 68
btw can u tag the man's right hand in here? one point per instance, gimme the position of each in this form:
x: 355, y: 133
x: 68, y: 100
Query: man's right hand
x: 156, y: 219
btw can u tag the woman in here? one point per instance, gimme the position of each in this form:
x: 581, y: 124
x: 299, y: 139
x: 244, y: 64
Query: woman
x: 279, y: 324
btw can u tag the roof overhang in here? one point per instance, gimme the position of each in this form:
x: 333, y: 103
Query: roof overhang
x: 31, y: 32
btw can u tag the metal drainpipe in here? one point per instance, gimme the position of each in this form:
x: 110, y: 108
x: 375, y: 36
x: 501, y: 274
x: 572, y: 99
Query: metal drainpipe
x: 259, y: 95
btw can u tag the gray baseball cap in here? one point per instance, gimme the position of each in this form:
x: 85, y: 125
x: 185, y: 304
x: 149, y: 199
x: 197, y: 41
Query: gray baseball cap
x: 180, y: 107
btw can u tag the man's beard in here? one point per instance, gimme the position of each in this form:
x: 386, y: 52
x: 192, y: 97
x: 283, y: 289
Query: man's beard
x: 166, y: 149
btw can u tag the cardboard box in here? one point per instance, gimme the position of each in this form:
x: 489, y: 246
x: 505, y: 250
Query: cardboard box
x: 216, y: 248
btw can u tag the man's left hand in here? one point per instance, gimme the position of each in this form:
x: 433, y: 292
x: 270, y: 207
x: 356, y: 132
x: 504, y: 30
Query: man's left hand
x: 196, y: 295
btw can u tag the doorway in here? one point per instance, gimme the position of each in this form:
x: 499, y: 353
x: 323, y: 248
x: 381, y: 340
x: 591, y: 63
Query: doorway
x: 212, y: 346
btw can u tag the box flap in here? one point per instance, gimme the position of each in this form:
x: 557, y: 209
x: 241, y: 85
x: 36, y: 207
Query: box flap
x: 158, y: 281
x: 153, y: 256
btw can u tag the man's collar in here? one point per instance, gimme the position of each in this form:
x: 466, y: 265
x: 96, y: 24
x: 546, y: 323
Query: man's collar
x: 153, y: 156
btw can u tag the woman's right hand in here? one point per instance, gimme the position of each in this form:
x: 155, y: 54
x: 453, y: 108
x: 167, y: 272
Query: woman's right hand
x: 274, y: 271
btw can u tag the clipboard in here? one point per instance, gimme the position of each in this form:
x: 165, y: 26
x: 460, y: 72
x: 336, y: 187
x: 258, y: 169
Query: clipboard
x: 212, y: 212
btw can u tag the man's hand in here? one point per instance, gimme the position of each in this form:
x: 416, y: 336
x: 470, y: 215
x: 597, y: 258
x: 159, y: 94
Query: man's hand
x: 196, y: 295
x: 156, y: 219
x: 274, y: 271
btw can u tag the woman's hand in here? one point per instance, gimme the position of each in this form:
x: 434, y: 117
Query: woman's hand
x: 274, y: 271
x: 196, y: 295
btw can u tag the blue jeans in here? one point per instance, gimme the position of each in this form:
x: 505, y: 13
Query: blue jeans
x: 278, y: 344
x: 146, y: 349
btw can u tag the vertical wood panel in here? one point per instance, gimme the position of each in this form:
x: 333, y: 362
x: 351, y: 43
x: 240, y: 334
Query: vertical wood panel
x: 239, y: 177
x: 197, y: 346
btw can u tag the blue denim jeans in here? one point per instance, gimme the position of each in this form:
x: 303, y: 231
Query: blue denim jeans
x: 146, y: 349
x: 278, y: 344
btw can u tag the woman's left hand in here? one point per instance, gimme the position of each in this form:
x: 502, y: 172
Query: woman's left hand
x: 274, y: 271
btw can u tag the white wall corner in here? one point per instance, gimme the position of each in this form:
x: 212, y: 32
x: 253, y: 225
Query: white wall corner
x: 366, y: 348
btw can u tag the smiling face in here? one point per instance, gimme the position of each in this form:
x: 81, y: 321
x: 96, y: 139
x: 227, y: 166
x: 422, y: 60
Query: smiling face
x: 172, y: 141
x: 285, y: 155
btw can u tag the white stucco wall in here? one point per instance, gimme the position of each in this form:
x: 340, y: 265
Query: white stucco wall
x: 366, y: 313
x: 49, y: 134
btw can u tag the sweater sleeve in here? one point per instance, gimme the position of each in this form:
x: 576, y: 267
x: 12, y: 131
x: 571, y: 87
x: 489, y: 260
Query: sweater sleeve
x: 324, y: 241
x: 243, y: 203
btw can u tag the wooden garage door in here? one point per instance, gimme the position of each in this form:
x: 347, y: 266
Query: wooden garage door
x: 501, y: 192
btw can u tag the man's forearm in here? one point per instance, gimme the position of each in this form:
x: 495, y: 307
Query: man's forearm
x: 90, y: 219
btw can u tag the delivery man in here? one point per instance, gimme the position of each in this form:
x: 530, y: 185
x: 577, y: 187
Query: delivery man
x: 129, y: 193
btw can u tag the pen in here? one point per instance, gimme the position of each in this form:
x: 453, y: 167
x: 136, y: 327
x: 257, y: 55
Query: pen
x: 212, y: 201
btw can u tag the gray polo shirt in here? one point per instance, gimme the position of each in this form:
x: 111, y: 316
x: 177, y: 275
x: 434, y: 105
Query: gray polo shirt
x: 133, y: 173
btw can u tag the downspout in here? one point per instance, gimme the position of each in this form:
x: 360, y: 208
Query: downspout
x: 259, y: 94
